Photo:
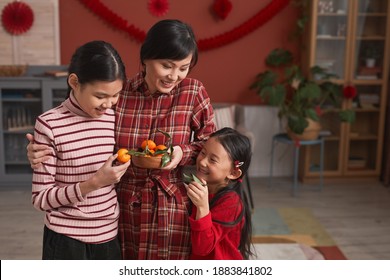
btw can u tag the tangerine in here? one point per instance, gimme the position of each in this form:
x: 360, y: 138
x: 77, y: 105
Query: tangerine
x: 150, y: 143
x: 123, y: 155
x: 161, y: 147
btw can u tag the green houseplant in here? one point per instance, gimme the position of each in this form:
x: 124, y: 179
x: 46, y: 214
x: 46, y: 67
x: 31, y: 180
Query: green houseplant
x: 300, y: 99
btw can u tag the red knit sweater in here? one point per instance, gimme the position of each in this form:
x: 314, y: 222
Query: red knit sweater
x: 212, y: 240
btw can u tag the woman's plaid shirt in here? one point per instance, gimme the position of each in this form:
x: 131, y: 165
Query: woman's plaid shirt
x: 154, y: 204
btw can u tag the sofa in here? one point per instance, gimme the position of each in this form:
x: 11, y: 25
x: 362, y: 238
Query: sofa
x: 232, y: 115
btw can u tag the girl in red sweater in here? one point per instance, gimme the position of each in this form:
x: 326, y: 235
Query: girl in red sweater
x: 221, y: 217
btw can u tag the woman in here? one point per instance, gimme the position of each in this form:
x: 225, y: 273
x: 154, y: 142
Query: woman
x: 154, y: 204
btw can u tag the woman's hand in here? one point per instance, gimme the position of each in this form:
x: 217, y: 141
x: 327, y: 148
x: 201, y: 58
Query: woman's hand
x: 106, y: 175
x: 36, y: 153
x: 176, y: 157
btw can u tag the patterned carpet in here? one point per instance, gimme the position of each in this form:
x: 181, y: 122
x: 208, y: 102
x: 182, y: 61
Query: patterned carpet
x: 291, y: 234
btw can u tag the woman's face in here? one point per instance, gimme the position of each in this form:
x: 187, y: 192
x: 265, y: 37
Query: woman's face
x: 95, y: 98
x: 163, y: 75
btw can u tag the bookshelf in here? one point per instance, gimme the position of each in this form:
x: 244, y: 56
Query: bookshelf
x: 22, y: 99
x: 341, y: 36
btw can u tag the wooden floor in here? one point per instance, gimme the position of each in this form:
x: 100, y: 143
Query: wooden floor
x: 356, y: 215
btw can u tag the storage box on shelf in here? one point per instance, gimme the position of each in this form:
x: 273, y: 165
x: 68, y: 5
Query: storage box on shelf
x: 22, y: 99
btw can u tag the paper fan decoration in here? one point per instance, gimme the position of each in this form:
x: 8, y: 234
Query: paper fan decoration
x: 158, y: 8
x: 17, y: 17
x: 222, y: 8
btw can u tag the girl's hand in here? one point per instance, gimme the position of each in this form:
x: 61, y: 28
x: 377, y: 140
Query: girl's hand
x: 199, y: 195
x: 176, y: 157
x: 36, y: 153
x: 106, y: 175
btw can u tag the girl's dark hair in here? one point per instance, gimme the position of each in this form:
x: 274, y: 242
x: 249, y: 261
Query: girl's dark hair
x: 239, y: 149
x: 97, y: 61
x: 170, y: 39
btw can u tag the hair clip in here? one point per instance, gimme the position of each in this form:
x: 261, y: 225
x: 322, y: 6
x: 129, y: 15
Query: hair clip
x: 237, y: 164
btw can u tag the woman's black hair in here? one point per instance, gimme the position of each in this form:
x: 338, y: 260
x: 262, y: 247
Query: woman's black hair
x: 97, y: 61
x: 239, y: 149
x: 170, y: 39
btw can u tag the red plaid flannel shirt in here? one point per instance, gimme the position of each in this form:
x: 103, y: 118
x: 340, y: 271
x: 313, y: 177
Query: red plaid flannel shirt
x: 154, y: 204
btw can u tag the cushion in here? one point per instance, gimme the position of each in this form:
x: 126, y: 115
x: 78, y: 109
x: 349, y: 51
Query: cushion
x: 224, y: 117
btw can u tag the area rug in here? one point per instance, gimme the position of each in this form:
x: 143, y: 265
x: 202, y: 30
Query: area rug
x: 291, y: 234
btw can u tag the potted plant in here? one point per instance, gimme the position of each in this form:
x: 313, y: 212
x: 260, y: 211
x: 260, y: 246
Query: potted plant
x: 299, y: 98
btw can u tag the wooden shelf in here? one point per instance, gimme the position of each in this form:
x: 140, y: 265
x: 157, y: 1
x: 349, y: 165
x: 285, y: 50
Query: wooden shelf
x: 365, y: 27
x: 22, y: 99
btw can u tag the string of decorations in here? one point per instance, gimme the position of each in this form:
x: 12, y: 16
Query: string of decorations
x: 260, y: 18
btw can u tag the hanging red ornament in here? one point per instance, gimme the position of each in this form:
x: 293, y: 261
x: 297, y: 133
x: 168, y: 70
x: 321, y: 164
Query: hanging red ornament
x: 349, y: 92
x: 158, y: 8
x: 17, y: 17
x: 222, y: 8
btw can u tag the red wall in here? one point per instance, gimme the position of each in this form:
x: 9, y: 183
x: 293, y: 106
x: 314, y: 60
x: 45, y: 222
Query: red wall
x: 226, y: 71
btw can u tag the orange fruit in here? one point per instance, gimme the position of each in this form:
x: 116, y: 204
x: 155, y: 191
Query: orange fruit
x: 150, y: 143
x: 161, y: 147
x: 123, y: 155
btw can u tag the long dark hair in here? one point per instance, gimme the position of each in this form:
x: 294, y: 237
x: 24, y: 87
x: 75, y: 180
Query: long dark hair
x: 97, y: 61
x: 239, y: 149
x: 170, y: 39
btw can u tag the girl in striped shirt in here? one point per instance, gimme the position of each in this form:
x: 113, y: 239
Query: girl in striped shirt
x: 75, y: 186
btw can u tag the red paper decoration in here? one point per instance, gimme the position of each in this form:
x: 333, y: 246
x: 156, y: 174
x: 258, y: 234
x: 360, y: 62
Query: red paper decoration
x: 158, y: 8
x: 222, y: 8
x: 264, y: 15
x: 261, y: 17
x: 17, y: 17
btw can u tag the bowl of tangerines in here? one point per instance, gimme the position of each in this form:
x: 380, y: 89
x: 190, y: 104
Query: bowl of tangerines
x: 150, y: 155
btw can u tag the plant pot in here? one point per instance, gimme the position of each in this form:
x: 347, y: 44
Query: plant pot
x: 311, y: 132
x: 370, y: 62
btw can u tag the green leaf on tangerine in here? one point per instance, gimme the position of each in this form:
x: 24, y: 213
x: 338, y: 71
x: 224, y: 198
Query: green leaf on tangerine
x: 165, y: 159
x: 192, y: 177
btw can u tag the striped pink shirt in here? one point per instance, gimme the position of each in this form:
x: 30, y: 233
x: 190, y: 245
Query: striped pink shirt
x: 81, y: 145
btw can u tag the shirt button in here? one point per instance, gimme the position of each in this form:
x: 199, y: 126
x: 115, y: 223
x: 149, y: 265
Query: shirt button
x: 146, y: 126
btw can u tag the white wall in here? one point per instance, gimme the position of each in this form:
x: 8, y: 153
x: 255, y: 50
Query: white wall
x: 264, y: 123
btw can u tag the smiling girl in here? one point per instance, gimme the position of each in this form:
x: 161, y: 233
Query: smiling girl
x: 75, y: 186
x: 221, y: 225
